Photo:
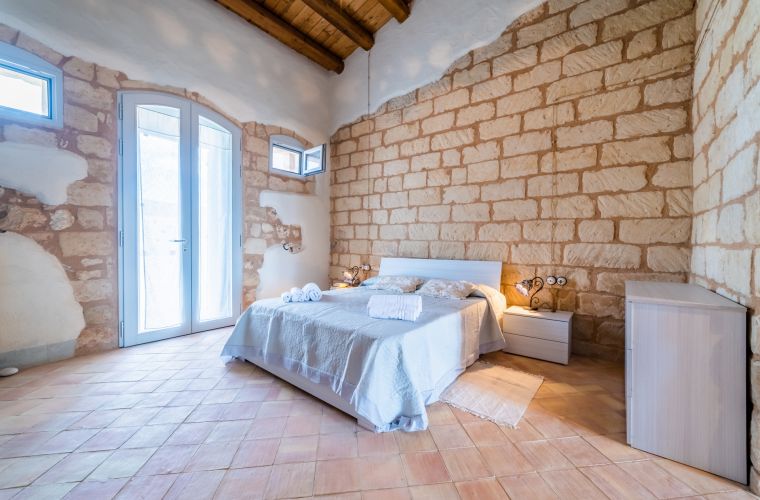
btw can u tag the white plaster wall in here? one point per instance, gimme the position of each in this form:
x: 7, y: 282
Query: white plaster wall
x: 37, y: 304
x: 40, y: 171
x: 409, y: 55
x: 283, y: 270
x: 195, y: 44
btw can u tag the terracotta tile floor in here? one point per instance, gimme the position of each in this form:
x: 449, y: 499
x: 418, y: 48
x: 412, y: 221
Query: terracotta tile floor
x: 173, y: 420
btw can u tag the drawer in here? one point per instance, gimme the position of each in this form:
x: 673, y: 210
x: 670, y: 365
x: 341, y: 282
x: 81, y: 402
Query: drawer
x: 539, y: 328
x: 558, y: 352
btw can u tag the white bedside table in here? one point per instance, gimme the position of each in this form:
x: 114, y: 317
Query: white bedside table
x: 538, y: 334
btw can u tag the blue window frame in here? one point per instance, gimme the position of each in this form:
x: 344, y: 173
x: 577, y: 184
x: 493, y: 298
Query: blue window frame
x: 287, y: 156
x: 31, y: 89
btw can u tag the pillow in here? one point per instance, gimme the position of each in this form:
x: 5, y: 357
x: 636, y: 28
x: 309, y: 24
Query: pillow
x: 403, y: 284
x: 369, y: 281
x: 447, y: 289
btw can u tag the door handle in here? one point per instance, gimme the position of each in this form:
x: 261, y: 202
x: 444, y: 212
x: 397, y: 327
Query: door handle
x: 178, y: 241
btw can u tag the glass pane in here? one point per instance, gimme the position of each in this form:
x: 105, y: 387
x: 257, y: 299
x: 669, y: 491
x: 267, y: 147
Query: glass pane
x: 24, y: 92
x: 159, y: 221
x: 313, y: 163
x: 286, y: 160
x: 214, y: 221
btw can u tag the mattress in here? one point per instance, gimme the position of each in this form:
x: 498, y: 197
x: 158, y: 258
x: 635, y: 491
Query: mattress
x: 386, y: 371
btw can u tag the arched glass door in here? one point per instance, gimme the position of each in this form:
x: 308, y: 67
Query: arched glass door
x: 179, y: 232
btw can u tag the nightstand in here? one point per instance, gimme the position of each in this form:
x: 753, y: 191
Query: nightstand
x: 538, y: 334
x: 342, y: 286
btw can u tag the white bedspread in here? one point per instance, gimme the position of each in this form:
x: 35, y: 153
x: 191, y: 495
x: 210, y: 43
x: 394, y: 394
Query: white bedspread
x: 386, y: 370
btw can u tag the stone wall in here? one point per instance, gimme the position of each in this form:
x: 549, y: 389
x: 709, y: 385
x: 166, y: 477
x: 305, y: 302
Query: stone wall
x: 81, y: 232
x: 726, y: 173
x: 564, y: 146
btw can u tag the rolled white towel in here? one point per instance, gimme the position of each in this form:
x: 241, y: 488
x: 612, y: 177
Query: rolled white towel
x: 312, y: 292
x: 403, y: 307
x: 286, y: 297
x: 297, y: 294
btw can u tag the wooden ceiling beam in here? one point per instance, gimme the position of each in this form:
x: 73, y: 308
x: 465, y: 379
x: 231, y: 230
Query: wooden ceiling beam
x: 397, y: 8
x: 342, y: 21
x: 266, y: 20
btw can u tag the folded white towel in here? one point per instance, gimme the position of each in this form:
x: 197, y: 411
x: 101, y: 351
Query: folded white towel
x: 312, y: 292
x: 403, y: 307
x: 286, y: 297
x: 297, y: 294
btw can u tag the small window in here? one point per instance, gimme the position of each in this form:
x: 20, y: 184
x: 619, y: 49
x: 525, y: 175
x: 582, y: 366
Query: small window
x: 288, y: 156
x: 30, y: 88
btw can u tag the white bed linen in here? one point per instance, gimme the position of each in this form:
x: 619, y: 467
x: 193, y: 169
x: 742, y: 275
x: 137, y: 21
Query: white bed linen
x: 386, y: 370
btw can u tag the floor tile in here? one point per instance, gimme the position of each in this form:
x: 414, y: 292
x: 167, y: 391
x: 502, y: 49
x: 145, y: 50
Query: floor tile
x: 446, y: 491
x: 212, y: 456
x: 572, y: 484
x: 376, y: 443
x: 171, y: 459
x: 199, y: 485
x: 656, y: 479
x: 297, y: 449
x: 15, y: 472
x: 147, y: 487
x: 450, y: 436
x: 150, y: 436
x: 336, y: 476
x: 464, y: 464
x: 425, y: 467
x: 74, y: 467
x: 505, y: 460
x: 543, y: 456
x: 249, y: 484
x: 527, y: 487
x: 387, y: 494
x: 383, y: 471
x: 256, y: 453
x: 615, y: 482
x: 331, y: 446
x: 579, y: 452
x: 480, y: 489
x: 122, y: 463
x: 291, y: 480
x: 100, y: 490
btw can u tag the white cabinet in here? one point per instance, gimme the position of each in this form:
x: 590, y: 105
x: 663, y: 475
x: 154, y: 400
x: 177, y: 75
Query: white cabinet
x: 686, y: 370
x: 538, y: 334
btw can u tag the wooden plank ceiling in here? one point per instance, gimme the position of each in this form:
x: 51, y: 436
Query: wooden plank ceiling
x: 325, y: 31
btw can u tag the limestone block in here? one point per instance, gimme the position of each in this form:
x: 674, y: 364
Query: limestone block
x: 594, y: 10
x: 417, y: 111
x: 570, y: 159
x: 384, y: 248
x: 480, y: 152
x: 596, y: 57
x: 515, y: 61
x: 414, y: 180
x: 679, y: 32
x: 558, y: 5
x: 600, y: 306
x: 31, y: 45
x: 423, y: 231
x: 644, y: 16
x: 588, y: 133
x: 451, y: 158
x: 90, y: 194
x: 487, y: 251
x: 476, y: 74
x: 564, y: 43
x: 475, y: 212
x: 505, y: 190
x: 415, y: 147
x: 752, y: 221
x: 515, y: 210
x: 553, y: 185
x: 538, y: 75
x: 19, y: 218
x: 403, y: 215
x: 95, y: 146
x: 61, y: 219
x: 668, y: 259
x: 426, y: 162
x: 499, y: 232
x: 656, y: 66
x: 531, y: 254
x: 730, y: 224
x: 609, y: 103
x: 499, y: 127
x: 107, y: 77
x: 401, y: 133
x: 614, y: 282
x: 518, y: 102
x: 642, y: 43
x: 101, y: 314
x: 79, y: 118
x: 92, y: 290
x: 671, y: 175
x: 393, y: 232
x: 647, y: 231
x: 679, y: 202
x: 452, y: 139
x: 413, y: 249
x: 519, y: 166
x: 435, y: 213
x: 707, y: 195
x: 434, y: 89
x: 348, y: 203
x: 596, y: 231
x: 572, y: 207
x: 541, y: 31
x: 346, y: 175
x: 646, y: 150
x: 668, y: 91
x: 394, y: 200
x: 388, y: 120
x: 483, y: 172
x: 426, y: 196
x: 491, y: 89
x: 574, y: 87
x: 453, y: 100
x: 86, y: 244
x: 548, y: 117
x: 650, y: 123
x: 461, y: 194
x: 683, y: 146
x: 446, y: 250
x: 458, y: 232
x: 545, y: 230
x: 615, y: 179
x: 739, y: 175
x: 526, y: 143
x: 438, y: 177
x: 362, y: 128
x: 7, y: 34
x: 493, y: 49
x: 602, y: 255
x: 471, y: 114
x: 80, y: 92
x: 641, y: 204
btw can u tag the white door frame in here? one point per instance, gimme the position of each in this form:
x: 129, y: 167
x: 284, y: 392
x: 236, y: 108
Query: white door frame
x: 127, y: 243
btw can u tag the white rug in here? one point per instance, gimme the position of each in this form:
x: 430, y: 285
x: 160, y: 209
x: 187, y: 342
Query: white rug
x: 493, y: 392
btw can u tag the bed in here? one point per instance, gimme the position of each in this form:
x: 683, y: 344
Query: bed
x: 382, y: 372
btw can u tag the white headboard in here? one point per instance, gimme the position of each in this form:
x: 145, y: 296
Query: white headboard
x: 486, y: 272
